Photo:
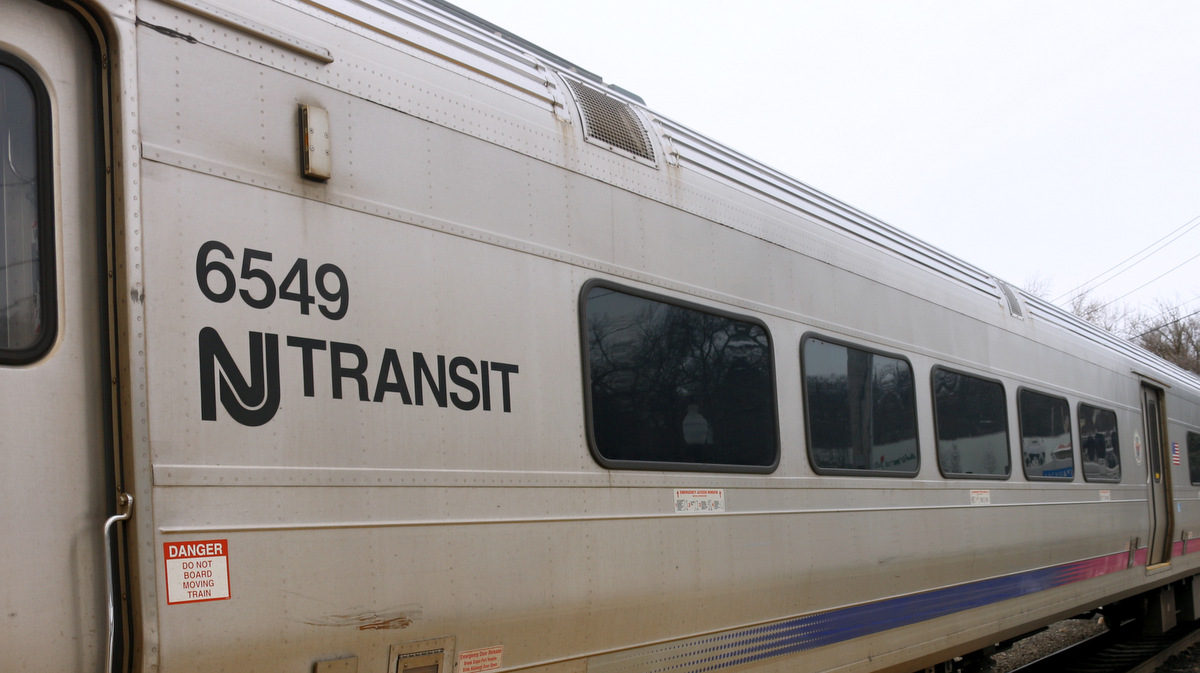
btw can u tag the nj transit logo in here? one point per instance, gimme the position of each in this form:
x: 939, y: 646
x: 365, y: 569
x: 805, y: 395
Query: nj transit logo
x: 417, y: 379
x: 252, y: 402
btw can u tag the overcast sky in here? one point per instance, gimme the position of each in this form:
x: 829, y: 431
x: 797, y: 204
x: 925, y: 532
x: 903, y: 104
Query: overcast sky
x: 1048, y: 139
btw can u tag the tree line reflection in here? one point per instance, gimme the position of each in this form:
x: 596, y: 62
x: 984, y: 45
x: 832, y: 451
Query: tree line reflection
x: 673, y: 384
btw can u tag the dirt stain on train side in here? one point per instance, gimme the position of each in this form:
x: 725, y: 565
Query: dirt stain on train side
x: 371, y: 620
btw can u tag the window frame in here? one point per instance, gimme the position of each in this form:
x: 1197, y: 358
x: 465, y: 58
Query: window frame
x: 937, y: 437
x: 1082, y: 463
x: 46, y: 238
x: 658, y: 465
x: 1071, y: 423
x: 1188, y: 435
x: 804, y: 402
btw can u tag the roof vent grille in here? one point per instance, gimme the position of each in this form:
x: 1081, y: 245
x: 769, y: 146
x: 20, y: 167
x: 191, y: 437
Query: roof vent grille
x: 1010, y: 299
x: 611, y: 122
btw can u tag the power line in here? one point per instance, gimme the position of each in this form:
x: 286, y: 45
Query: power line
x: 1168, y: 324
x: 1161, y: 243
x: 1150, y: 281
x: 1168, y: 310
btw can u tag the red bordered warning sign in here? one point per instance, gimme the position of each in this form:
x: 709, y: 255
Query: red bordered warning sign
x: 197, y: 571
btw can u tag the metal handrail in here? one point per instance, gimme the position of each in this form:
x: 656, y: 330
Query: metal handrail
x: 123, y: 500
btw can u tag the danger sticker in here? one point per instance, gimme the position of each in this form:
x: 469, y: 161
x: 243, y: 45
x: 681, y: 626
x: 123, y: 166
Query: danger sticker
x: 478, y: 661
x: 197, y: 571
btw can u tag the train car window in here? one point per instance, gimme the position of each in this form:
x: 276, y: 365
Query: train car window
x: 676, y: 386
x: 1047, y: 450
x: 1193, y: 449
x: 860, y: 408
x: 1099, y: 446
x: 27, y: 308
x: 971, y: 419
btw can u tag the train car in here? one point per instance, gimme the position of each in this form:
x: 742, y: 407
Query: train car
x: 363, y: 335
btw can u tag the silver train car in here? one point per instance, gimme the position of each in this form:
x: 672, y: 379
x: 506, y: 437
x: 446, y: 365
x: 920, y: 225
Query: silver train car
x: 362, y: 335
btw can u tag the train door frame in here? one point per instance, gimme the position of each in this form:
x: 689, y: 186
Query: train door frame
x: 66, y: 52
x: 1158, y: 474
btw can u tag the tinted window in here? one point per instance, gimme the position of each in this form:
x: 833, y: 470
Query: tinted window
x: 1193, y: 450
x: 677, y: 385
x: 860, y: 408
x: 972, y: 426
x: 26, y: 309
x: 1047, y: 451
x: 1098, y: 445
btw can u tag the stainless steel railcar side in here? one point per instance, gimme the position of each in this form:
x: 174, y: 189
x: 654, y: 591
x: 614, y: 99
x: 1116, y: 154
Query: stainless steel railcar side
x: 309, y: 282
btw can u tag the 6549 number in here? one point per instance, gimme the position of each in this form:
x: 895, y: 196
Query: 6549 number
x: 259, y: 289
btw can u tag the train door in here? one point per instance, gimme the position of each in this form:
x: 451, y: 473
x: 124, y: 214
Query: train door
x: 1162, y: 520
x: 55, y: 474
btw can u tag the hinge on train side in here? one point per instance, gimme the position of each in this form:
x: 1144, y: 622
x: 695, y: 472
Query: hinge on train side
x: 558, y: 98
x: 671, y: 154
x: 316, y: 162
x: 1133, y: 547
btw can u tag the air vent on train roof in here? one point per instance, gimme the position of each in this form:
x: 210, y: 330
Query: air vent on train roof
x: 1011, y: 300
x: 611, y: 122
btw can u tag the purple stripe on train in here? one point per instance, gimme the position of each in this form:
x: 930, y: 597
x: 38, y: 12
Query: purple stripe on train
x: 716, y: 652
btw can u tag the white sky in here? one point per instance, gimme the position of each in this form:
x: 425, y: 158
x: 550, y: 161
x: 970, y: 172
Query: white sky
x: 1048, y: 139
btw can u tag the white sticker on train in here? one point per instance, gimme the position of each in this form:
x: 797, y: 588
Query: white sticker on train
x: 196, y: 571
x: 699, y: 501
x: 480, y: 660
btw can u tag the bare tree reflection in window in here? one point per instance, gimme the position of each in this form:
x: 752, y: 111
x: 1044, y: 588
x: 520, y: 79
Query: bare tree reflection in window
x: 1099, y: 444
x: 861, y: 409
x: 678, y: 385
x: 972, y: 425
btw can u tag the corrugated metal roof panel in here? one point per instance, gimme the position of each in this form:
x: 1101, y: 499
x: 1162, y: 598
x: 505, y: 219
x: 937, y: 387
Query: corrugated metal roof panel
x: 701, y: 153
x: 1049, y: 313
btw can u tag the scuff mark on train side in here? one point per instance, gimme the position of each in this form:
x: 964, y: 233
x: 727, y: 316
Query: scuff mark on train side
x: 372, y: 620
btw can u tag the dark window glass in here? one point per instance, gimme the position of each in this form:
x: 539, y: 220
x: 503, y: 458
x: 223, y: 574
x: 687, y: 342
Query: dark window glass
x: 972, y: 426
x: 1047, y: 451
x: 26, y: 312
x: 861, y: 410
x: 1193, y: 450
x: 1099, y: 449
x: 676, y: 385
